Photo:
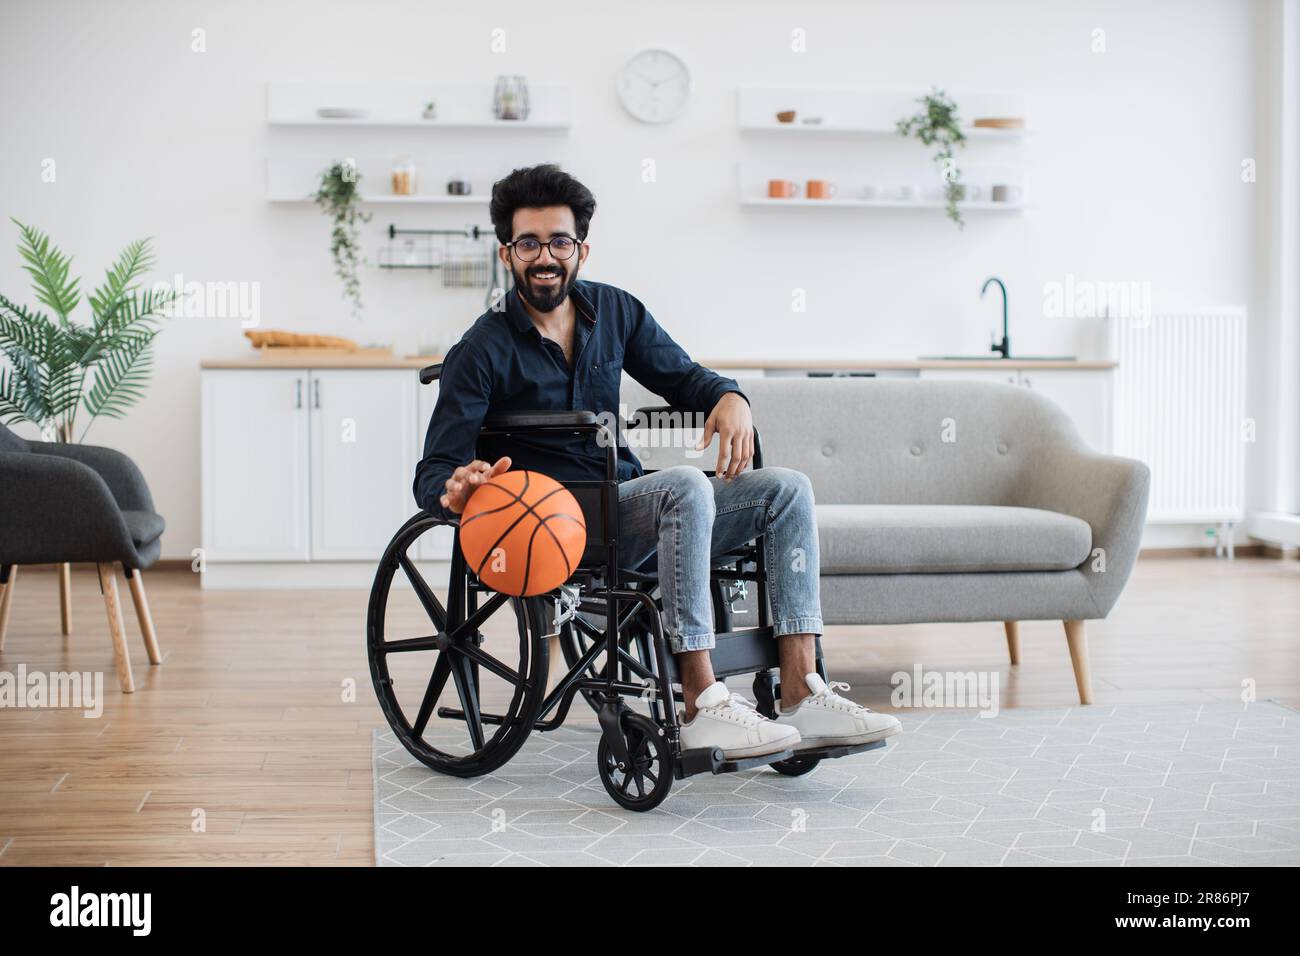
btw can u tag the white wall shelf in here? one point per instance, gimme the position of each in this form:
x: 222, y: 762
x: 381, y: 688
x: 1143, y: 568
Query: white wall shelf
x: 382, y: 200
x: 459, y: 106
x: 979, y: 133
x: 800, y: 203
x: 865, y: 111
x: 882, y: 169
x: 513, y: 126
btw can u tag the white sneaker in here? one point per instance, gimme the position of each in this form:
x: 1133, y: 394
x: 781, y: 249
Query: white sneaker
x: 825, y: 719
x: 727, y: 720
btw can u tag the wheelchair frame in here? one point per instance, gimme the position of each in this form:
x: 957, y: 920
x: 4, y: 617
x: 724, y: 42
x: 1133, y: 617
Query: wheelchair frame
x: 630, y: 742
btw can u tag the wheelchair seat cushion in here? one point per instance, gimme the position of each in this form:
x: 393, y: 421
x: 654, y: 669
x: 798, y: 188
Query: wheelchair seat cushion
x: 939, y: 539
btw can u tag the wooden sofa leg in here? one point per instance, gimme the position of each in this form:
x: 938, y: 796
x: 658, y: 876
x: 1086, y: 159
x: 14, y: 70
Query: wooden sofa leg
x: 10, y: 575
x: 1013, y: 641
x: 116, y: 630
x: 65, y: 598
x: 136, y: 580
x: 1077, y: 639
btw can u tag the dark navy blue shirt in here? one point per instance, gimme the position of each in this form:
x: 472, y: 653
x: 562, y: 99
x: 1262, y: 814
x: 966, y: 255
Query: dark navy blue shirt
x: 504, y: 364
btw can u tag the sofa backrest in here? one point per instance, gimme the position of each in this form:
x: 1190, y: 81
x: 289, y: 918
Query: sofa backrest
x: 892, y: 441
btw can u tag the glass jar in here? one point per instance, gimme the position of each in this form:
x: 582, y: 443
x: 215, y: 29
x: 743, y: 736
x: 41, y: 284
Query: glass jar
x: 403, y: 176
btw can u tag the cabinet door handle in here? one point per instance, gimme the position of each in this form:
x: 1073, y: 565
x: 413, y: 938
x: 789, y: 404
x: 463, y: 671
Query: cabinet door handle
x: 315, y: 392
x: 298, y: 391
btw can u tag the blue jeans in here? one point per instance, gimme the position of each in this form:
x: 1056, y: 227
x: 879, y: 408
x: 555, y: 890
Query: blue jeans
x: 692, y: 520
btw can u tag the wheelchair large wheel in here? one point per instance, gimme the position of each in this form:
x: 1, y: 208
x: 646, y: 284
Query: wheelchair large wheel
x: 644, y: 783
x: 432, y: 661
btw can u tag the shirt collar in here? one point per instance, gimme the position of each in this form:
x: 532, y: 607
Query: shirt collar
x: 518, y: 315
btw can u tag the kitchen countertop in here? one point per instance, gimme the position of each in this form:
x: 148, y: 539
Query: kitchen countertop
x: 869, y: 364
x: 419, y: 361
x: 343, y: 360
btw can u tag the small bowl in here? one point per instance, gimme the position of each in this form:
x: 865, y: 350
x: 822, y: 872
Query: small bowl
x: 785, y: 116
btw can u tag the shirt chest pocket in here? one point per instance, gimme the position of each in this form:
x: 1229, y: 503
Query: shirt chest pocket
x: 606, y: 378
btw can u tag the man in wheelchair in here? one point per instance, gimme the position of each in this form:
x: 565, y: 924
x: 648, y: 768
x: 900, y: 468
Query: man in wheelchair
x: 558, y: 342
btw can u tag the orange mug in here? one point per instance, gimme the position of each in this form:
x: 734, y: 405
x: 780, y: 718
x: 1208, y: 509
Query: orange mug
x: 820, y: 189
x: 782, y: 189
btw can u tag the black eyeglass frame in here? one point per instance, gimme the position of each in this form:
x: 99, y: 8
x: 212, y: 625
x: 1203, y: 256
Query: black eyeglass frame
x: 573, y: 239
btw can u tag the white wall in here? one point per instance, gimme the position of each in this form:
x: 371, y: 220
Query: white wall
x: 1134, y: 168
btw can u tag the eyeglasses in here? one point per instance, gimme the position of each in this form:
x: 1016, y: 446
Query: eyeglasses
x: 528, y: 248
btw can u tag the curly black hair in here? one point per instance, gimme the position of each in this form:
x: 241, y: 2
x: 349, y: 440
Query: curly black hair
x: 533, y: 187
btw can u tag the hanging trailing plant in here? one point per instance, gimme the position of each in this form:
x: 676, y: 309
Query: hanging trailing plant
x: 937, y: 124
x: 340, y: 197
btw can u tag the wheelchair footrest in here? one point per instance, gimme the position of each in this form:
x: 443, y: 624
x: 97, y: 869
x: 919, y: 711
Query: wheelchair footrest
x: 712, y: 760
x: 837, y: 750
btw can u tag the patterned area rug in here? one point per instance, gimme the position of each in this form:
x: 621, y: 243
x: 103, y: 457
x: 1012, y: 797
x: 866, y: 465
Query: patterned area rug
x: 1158, y: 785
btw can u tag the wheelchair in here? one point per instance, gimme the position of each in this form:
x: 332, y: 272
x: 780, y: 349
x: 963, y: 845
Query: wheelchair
x: 606, y: 619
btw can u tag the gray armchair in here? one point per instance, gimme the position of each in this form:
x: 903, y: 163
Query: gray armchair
x: 64, y: 503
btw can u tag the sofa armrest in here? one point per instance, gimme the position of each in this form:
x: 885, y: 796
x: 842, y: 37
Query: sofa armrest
x: 55, y: 509
x: 1109, y: 493
x: 119, y: 472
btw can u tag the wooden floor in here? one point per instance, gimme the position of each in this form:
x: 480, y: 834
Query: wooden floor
x: 251, y: 743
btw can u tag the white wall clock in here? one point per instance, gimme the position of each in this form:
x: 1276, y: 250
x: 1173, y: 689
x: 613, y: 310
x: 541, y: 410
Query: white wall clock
x: 654, y: 86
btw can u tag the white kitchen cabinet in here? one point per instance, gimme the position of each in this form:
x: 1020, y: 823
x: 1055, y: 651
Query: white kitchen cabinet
x: 435, y: 544
x: 362, y: 460
x: 1083, y: 394
x: 255, y: 440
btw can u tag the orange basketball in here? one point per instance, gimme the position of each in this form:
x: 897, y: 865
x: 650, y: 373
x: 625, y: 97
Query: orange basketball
x: 522, y: 533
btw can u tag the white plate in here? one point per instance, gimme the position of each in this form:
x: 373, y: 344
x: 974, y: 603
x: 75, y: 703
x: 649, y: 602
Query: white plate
x: 341, y: 112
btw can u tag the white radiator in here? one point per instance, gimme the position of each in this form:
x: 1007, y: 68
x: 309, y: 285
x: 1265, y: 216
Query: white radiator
x: 1180, y: 406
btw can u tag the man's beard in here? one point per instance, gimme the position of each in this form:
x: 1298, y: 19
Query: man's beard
x: 545, y: 298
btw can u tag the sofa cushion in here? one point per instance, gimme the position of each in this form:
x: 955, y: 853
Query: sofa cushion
x: 937, y: 539
x: 144, y: 526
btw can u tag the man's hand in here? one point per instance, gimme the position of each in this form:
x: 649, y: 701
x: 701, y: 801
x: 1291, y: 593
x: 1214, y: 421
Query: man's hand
x: 732, y: 422
x: 466, y: 479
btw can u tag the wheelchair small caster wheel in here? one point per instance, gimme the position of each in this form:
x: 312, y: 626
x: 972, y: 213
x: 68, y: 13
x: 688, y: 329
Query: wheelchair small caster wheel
x: 796, y: 766
x: 643, y: 785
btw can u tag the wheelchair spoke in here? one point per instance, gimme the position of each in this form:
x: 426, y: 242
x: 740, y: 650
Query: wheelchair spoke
x: 437, y: 681
x: 471, y: 624
x: 484, y: 659
x: 432, y: 606
x: 462, y: 674
x: 408, y: 644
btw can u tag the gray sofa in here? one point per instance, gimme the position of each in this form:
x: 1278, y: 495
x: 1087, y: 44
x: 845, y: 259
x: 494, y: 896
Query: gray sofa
x: 949, y: 501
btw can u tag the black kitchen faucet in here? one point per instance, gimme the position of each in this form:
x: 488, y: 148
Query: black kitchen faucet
x: 1005, y: 345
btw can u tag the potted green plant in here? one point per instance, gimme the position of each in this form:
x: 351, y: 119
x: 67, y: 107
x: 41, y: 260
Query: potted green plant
x: 58, y: 366
x: 340, y: 197
x: 937, y: 124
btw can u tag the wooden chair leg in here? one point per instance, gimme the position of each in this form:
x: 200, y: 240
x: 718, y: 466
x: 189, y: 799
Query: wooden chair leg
x: 10, y: 575
x: 1013, y: 641
x: 1077, y: 639
x: 116, y: 629
x: 65, y: 598
x: 136, y: 580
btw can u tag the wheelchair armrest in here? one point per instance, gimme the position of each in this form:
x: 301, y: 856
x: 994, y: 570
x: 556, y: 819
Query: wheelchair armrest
x: 550, y: 419
x: 674, y: 416
x: 653, y: 416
